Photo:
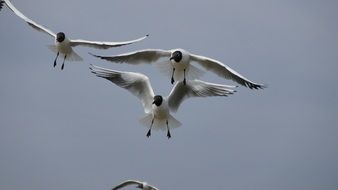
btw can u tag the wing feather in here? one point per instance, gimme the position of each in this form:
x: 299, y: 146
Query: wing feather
x: 224, y: 71
x: 103, y: 45
x: 196, y: 88
x: 126, y: 183
x: 136, y: 83
x: 136, y: 57
x: 29, y: 21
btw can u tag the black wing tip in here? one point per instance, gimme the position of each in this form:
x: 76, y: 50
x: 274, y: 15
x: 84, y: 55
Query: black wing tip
x: 98, y: 56
x: 92, y: 54
x: 255, y: 86
x: 147, y: 35
x: 1, y: 4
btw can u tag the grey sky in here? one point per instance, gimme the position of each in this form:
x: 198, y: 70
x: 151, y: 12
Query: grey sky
x: 70, y: 130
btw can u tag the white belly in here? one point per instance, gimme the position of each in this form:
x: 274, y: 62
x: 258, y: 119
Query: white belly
x: 160, y: 112
x: 64, y: 47
x: 180, y: 67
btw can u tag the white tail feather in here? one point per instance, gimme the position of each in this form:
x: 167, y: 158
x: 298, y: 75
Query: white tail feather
x: 192, y: 72
x: 159, y: 124
x: 72, y: 56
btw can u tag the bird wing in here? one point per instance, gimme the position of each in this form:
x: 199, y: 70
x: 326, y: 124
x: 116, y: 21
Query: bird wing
x: 136, y: 57
x: 103, y: 45
x: 196, y: 88
x: 224, y: 71
x: 126, y: 183
x: 152, y: 187
x: 29, y: 21
x: 136, y: 83
x: 1, y: 4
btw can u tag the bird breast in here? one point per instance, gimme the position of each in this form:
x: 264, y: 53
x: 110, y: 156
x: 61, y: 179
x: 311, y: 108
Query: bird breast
x: 160, y: 112
x: 63, y: 47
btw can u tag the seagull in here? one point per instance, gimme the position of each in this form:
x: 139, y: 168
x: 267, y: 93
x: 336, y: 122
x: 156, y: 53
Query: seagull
x: 178, y: 63
x: 156, y: 107
x: 140, y: 185
x: 63, y: 45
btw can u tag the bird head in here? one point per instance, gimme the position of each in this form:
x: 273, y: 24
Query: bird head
x: 60, y: 37
x: 157, y: 100
x: 176, y: 56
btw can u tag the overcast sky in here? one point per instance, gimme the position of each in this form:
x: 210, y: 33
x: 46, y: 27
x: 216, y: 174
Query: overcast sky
x: 70, y: 130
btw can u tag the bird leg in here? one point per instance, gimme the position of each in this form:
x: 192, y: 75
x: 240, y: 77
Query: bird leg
x: 149, y: 132
x: 63, y: 64
x: 57, y: 55
x: 184, y: 82
x: 168, y: 132
x: 172, y: 77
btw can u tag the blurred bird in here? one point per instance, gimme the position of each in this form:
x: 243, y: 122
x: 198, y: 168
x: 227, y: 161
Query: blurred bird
x: 157, y: 107
x: 178, y: 65
x: 62, y: 44
x: 139, y: 184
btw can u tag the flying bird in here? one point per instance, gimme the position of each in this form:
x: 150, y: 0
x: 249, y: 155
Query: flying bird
x: 178, y: 65
x: 156, y: 107
x: 139, y: 184
x: 62, y: 44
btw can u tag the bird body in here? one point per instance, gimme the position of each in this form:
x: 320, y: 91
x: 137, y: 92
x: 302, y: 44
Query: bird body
x: 157, y: 107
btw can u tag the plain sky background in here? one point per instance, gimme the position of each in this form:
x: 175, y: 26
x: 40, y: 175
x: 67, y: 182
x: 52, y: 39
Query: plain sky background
x: 70, y: 130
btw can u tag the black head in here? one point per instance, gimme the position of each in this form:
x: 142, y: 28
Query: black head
x: 177, y: 56
x: 158, y: 100
x: 60, y: 37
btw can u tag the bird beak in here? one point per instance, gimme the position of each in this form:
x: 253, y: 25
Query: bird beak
x: 153, y: 102
x: 171, y: 58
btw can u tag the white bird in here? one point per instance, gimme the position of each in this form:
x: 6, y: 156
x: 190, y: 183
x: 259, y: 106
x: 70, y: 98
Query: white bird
x: 157, y: 107
x: 178, y: 65
x: 62, y: 44
x: 139, y: 184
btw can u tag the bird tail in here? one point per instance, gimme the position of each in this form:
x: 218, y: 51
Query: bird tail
x: 72, y: 56
x: 165, y: 67
x: 159, y: 123
x: 194, y: 72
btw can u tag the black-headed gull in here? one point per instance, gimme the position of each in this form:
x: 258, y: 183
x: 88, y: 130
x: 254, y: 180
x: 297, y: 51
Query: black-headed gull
x: 179, y: 64
x: 139, y: 184
x: 62, y: 44
x: 157, y: 107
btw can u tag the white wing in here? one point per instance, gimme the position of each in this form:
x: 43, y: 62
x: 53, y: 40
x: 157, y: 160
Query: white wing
x: 136, y: 57
x: 196, y: 88
x: 126, y: 183
x: 103, y: 45
x: 136, y: 83
x: 132, y: 182
x: 29, y: 21
x: 224, y: 71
